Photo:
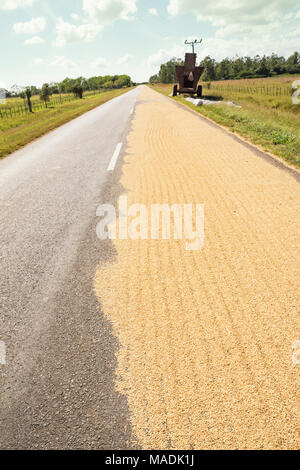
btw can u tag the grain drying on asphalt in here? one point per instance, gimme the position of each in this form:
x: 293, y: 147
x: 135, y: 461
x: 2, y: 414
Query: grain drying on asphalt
x: 205, y: 357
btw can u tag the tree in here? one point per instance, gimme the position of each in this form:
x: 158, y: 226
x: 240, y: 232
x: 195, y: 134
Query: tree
x: 16, y: 90
x: 119, y: 83
x: 54, y: 88
x: 22, y: 96
x: 263, y: 69
x: 167, y: 72
x: 82, y: 82
x: 224, y: 70
x: 108, y: 84
x: 293, y: 63
x: 154, y: 79
x: 78, y: 91
x: 66, y: 85
x: 5, y: 93
x: 122, y: 81
x: 238, y: 66
x: 28, y: 96
x: 210, y: 66
x: 45, y: 94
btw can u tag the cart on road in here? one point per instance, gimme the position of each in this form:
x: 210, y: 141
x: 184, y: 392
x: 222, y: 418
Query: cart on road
x: 189, y: 74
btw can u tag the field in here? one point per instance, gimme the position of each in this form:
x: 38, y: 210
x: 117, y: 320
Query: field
x: 18, y: 128
x: 17, y: 106
x: 279, y: 87
x: 267, y: 117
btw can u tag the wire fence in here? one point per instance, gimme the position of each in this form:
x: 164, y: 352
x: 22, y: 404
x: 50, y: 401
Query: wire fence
x: 250, y: 90
x: 9, y: 112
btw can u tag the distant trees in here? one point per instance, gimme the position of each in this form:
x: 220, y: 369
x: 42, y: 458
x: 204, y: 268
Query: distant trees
x: 264, y: 69
x: 69, y: 84
x: 16, y: 90
x: 247, y: 67
x: 293, y: 63
x: 238, y: 67
x: 77, y: 86
x: 78, y: 91
x: 122, y: 81
x: 210, y: 66
x: 223, y: 70
x: 154, y: 79
x: 5, y: 93
x: 108, y: 84
x: 34, y: 90
x: 95, y: 83
x: 167, y: 72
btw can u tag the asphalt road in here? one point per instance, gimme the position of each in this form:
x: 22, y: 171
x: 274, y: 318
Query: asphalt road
x: 57, y: 386
x: 141, y: 343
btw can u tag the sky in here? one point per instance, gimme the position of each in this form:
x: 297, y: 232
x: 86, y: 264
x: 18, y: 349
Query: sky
x: 48, y: 40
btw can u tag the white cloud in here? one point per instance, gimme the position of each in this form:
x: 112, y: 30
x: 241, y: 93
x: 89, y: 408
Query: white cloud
x: 3, y: 86
x: 224, y: 12
x: 219, y: 48
x: 100, y: 62
x: 34, y: 40
x: 153, y: 11
x: 125, y: 59
x: 244, y: 27
x: 62, y: 62
x: 294, y: 34
x: 163, y: 55
x: 35, y: 26
x: 14, y: 4
x: 68, y: 33
x: 75, y: 17
x: 233, y: 30
x: 108, y: 11
x: 58, y: 62
x: 39, y: 61
x: 96, y: 14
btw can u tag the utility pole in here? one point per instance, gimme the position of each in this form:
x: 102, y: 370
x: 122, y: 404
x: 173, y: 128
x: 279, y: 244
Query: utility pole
x: 193, y: 43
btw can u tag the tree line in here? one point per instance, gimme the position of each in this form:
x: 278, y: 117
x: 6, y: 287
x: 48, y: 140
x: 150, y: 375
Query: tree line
x: 71, y: 85
x: 236, y: 68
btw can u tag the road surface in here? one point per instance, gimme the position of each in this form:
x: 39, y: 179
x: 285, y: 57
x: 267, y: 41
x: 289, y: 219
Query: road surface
x: 57, y: 388
x: 140, y: 343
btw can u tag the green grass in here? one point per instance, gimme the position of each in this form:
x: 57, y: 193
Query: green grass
x: 19, y: 130
x: 271, y: 122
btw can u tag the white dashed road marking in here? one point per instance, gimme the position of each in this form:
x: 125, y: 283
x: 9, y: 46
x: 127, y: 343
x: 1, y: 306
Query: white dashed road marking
x: 2, y: 353
x: 115, y: 157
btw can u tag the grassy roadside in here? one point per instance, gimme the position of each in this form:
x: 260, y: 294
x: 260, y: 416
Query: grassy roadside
x: 20, y: 130
x: 274, y: 128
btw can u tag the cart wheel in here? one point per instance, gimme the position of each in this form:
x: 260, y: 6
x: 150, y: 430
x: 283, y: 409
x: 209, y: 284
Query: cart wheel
x: 199, y: 91
x: 175, y: 90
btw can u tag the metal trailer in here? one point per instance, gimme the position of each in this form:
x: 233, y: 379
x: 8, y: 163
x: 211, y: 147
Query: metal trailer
x: 188, y: 75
